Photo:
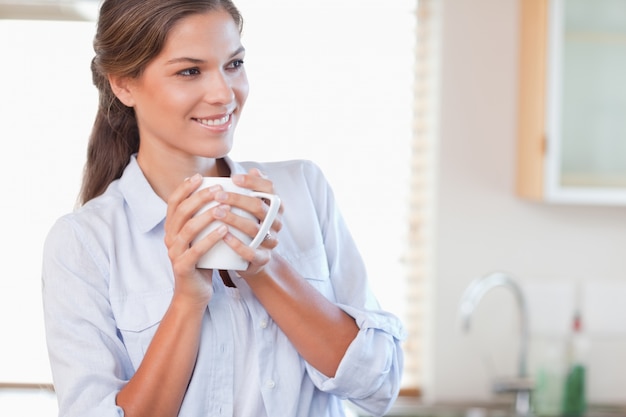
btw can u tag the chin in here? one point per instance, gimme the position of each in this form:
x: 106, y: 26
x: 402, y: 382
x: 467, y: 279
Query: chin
x: 218, y: 151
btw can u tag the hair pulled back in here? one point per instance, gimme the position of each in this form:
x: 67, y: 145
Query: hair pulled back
x: 130, y: 34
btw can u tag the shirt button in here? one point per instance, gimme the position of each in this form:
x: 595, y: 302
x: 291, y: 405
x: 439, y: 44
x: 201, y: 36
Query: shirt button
x: 263, y: 324
x: 270, y: 383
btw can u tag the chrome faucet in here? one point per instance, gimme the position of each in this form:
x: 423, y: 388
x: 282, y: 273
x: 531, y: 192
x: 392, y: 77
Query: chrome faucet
x: 521, y: 385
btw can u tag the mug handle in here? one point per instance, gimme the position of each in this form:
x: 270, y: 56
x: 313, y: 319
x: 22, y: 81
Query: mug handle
x: 269, y: 217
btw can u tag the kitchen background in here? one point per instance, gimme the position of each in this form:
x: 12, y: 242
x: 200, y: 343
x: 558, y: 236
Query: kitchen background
x: 555, y: 251
x: 565, y: 256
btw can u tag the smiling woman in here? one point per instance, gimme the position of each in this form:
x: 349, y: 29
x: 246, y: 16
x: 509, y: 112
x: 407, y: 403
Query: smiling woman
x: 312, y: 91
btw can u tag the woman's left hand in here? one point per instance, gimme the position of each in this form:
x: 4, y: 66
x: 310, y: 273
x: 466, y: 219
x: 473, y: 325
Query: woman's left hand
x: 262, y: 255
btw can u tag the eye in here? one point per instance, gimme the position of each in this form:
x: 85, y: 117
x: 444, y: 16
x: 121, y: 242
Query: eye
x: 237, y: 63
x: 189, y: 72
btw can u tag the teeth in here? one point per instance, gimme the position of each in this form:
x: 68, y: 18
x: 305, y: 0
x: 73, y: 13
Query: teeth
x: 215, y: 122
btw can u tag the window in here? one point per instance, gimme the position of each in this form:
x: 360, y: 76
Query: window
x: 331, y: 81
x: 47, y: 106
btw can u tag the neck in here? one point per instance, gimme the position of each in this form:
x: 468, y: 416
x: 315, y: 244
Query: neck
x: 166, y: 174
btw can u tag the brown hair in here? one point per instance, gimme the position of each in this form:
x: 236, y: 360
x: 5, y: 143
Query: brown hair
x: 130, y: 33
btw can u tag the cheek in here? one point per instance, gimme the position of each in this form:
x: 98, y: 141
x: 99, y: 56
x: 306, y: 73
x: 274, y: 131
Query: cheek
x: 179, y: 98
x: 242, y: 89
x: 167, y: 98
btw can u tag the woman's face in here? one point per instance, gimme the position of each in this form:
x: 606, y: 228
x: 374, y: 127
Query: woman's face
x: 190, y: 97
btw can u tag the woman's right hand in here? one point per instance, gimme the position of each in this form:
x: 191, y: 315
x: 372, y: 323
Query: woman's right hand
x: 181, y: 227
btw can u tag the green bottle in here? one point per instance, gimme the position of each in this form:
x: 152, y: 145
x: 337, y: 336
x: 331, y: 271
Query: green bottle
x: 574, y: 398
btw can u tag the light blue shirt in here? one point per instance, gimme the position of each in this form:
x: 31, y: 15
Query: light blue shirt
x: 107, y: 282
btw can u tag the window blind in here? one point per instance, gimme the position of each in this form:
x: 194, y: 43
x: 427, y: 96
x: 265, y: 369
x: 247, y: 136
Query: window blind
x: 421, y: 201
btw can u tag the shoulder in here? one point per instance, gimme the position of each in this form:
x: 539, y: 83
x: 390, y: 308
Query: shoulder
x: 94, y: 218
x: 103, y: 208
x: 85, y: 239
x: 289, y: 171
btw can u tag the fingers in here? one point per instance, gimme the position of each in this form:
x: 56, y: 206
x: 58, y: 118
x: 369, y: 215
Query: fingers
x: 183, y: 224
x: 257, y: 258
x: 269, y: 241
x: 257, y: 181
x: 254, y: 180
x: 253, y: 205
x: 185, y: 219
x: 176, y: 199
x: 192, y: 253
x: 249, y: 226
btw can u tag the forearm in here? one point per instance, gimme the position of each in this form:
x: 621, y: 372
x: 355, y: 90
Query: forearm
x: 320, y: 331
x: 158, y: 387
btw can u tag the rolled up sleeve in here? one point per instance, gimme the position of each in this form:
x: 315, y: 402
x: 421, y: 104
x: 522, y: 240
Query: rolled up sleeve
x: 370, y: 372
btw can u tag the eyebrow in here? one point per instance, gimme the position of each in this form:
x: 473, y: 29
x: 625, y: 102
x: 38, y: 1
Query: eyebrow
x: 201, y: 61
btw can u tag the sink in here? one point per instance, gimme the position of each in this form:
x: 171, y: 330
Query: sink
x: 413, y: 407
x: 451, y: 412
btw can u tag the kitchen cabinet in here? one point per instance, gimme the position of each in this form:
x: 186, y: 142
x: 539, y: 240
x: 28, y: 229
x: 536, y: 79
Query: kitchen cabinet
x: 572, y: 101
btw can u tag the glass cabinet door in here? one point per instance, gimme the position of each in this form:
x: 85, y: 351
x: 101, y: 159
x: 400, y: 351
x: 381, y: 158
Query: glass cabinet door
x: 586, y: 120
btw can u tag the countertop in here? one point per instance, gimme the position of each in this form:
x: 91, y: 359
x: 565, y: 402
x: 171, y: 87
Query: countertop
x: 414, y: 407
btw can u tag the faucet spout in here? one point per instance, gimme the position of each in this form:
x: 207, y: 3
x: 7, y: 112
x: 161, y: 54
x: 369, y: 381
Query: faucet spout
x: 472, y: 296
x: 475, y: 292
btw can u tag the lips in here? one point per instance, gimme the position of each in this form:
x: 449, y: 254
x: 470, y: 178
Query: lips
x: 221, y: 121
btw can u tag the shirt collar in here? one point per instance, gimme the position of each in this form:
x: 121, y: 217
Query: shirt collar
x: 146, y: 207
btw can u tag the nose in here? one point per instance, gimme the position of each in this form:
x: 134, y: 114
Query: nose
x: 219, y: 89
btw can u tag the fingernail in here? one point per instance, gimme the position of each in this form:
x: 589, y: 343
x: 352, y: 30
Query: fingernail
x: 238, y: 179
x: 194, y: 178
x: 221, y: 196
x: 220, y: 212
x: 222, y: 230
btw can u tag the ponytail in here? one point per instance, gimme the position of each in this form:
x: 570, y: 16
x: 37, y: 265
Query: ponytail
x: 114, y: 138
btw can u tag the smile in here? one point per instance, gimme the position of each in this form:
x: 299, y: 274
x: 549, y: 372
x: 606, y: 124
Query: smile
x: 215, y: 122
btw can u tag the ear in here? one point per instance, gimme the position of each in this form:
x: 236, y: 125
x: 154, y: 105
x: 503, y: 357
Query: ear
x: 121, y: 87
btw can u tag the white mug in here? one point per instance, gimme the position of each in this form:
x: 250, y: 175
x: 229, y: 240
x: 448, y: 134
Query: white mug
x: 222, y: 256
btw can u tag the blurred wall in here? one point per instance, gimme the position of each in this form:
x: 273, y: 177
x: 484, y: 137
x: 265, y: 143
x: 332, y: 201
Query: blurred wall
x: 555, y: 251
